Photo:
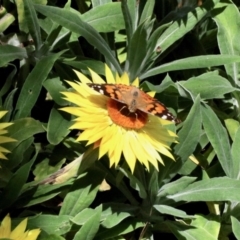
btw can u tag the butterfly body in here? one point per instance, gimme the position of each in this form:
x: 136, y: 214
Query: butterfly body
x: 135, y: 99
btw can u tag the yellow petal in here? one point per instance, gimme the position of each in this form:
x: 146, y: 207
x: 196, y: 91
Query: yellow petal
x: 125, y: 79
x: 4, y: 139
x: 19, y: 230
x: 109, y: 76
x: 5, y: 125
x: 135, y: 82
x: 129, y: 155
x: 82, y: 77
x: 152, y: 93
x: 6, y: 227
x: 2, y: 113
x: 33, y: 234
x: 95, y: 77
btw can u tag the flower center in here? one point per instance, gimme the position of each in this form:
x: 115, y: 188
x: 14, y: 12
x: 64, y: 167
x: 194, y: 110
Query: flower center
x: 120, y: 114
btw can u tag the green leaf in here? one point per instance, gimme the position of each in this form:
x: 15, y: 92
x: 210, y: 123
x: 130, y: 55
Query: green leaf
x: 114, y: 208
x: 201, y: 228
x: 153, y: 185
x: 73, y: 22
x: 90, y: 228
x: 147, y: 11
x: 184, y: 23
x: 33, y: 85
x: 214, y: 189
x: 6, y: 21
x: 21, y: 16
x: 232, y: 127
x: 235, y: 227
x: 236, y: 155
x: 58, y: 126
x: 172, y: 188
x: 191, y: 63
x: 9, y: 53
x: 208, y: 86
x: 51, y: 224
x: 218, y: 137
x: 137, y: 44
x: 8, y: 82
x: 9, y: 105
x: 33, y: 194
x: 96, y: 3
x: 57, y: 38
x: 17, y: 154
x: 114, y: 219
x: 52, y: 237
x: 228, y: 20
x: 164, y: 209
x: 189, y: 135
x: 55, y: 86
x: 12, y: 190
x: 45, y: 168
x: 127, y: 226
x: 105, y: 18
x: 82, y: 65
x: 23, y: 129
x: 209, y: 224
x: 153, y: 41
x: 135, y: 183
x: 82, y: 217
x: 127, y: 19
x: 81, y: 195
x: 32, y: 21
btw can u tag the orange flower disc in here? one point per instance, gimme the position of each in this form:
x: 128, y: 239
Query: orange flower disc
x: 120, y: 115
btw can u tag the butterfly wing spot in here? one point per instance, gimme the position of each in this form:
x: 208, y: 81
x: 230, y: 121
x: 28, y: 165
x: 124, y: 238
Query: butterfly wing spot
x: 135, y: 93
x: 165, y: 117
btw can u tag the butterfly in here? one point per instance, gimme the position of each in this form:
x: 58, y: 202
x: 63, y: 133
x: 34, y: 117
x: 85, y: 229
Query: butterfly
x: 135, y: 99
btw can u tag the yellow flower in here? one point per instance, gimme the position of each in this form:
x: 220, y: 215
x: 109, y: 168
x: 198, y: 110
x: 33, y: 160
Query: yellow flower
x: 19, y: 232
x: 113, y: 128
x: 4, y: 139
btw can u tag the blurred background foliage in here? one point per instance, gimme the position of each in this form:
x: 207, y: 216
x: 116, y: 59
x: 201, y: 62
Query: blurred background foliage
x: 187, y: 52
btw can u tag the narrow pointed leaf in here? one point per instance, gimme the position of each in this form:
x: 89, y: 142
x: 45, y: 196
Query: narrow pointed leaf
x: 215, y: 189
x: 208, y: 86
x: 9, y: 53
x: 236, y: 227
x: 58, y: 126
x: 105, y: 18
x: 184, y: 23
x: 218, y: 137
x: 137, y: 44
x: 236, y: 155
x: 164, y: 209
x: 127, y: 19
x: 90, y: 228
x: 228, y: 22
x: 73, y: 22
x: 190, y: 133
x: 147, y: 11
x: 33, y: 85
x: 51, y: 224
x: 191, y: 63
x: 32, y: 20
x: 81, y: 195
x: 14, y: 186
